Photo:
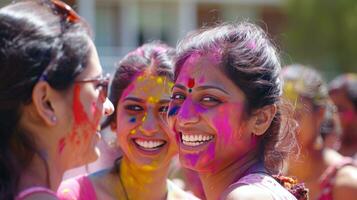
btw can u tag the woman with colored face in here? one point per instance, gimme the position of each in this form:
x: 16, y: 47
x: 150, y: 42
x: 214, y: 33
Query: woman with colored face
x: 327, y: 174
x: 141, y: 92
x: 52, y: 96
x: 343, y: 92
x: 226, y: 112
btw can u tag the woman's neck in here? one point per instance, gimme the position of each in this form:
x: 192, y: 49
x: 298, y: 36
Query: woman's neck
x: 216, y: 183
x: 37, y: 174
x: 139, y: 182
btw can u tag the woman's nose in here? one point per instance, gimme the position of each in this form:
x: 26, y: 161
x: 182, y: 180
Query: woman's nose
x: 108, y: 107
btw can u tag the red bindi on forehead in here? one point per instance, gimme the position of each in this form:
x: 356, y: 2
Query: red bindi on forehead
x: 191, y: 83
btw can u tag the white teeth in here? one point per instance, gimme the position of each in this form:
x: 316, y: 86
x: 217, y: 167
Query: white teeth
x: 195, y: 140
x: 148, y: 144
x: 192, y: 144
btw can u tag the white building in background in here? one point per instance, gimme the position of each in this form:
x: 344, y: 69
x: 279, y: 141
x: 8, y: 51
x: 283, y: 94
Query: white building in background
x: 121, y: 25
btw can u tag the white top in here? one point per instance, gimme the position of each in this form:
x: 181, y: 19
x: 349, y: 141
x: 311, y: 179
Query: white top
x: 264, y: 182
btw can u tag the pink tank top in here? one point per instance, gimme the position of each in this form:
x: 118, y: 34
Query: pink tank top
x: 328, y: 177
x: 33, y: 190
x: 79, y: 188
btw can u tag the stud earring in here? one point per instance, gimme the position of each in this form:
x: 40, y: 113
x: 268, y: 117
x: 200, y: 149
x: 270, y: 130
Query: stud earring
x: 53, y: 118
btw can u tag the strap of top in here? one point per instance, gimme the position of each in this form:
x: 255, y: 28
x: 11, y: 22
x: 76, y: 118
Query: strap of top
x: 32, y: 190
x: 328, y: 177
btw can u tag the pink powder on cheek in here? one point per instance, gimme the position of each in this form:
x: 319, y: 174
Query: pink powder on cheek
x: 226, y: 120
x: 347, y: 116
x: 61, y: 145
x: 94, y: 108
x: 223, y: 125
x: 80, y: 117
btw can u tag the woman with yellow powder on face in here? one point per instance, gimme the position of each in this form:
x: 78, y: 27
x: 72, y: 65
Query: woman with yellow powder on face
x: 141, y: 92
x: 327, y: 174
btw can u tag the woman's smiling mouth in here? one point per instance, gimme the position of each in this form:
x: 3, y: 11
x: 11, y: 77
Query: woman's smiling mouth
x: 195, y: 140
x: 149, y: 144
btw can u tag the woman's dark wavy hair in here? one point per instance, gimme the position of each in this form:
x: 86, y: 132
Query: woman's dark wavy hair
x: 248, y: 58
x: 34, y: 37
x: 155, y: 57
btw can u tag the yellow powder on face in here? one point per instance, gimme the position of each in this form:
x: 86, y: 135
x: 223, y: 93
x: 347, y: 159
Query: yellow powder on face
x: 159, y: 80
x: 133, y: 131
x: 151, y: 99
x: 170, y: 84
x: 144, y: 118
x: 140, y: 78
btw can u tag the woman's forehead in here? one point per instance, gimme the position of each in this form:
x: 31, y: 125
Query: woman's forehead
x: 149, y: 87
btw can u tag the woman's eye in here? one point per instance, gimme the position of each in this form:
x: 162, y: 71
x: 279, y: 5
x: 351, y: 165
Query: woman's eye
x: 210, y: 101
x: 178, y: 96
x: 163, y: 109
x: 134, y: 108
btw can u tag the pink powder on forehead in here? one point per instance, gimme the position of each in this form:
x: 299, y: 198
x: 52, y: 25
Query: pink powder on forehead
x: 201, y: 79
x: 128, y: 90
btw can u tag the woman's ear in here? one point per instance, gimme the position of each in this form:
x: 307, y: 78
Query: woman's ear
x: 262, y: 119
x: 42, y: 98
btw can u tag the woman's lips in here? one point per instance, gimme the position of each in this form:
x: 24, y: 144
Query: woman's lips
x: 149, y: 145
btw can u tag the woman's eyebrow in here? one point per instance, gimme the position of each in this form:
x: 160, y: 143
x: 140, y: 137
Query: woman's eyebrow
x: 182, y: 87
x: 205, y: 87
x: 163, y: 101
x: 133, y: 99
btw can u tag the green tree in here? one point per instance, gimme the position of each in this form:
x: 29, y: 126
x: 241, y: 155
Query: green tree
x: 322, y: 33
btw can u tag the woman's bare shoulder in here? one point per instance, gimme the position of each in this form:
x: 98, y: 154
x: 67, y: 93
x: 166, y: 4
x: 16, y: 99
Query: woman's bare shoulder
x: 345, y: 186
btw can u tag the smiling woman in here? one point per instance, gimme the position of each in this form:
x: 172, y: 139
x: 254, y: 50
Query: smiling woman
x: 141, y: 92
x: 227, y: 114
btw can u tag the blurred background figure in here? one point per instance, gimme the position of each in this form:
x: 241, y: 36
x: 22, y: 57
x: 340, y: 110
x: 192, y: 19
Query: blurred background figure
x: 327, y: 174
x: 343, y: 92
x: 330, y: 128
